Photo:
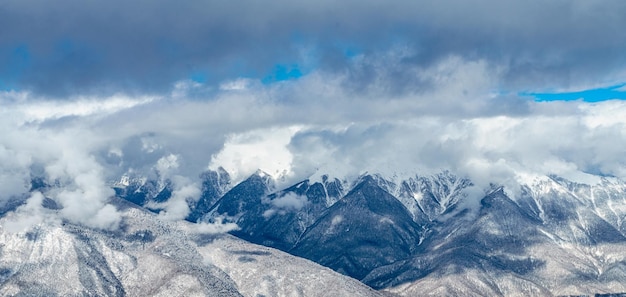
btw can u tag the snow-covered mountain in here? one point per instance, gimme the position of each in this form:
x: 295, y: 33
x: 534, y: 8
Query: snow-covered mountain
x: 142, y: 190
x: 214, y: 185
x: 431, y: 234
x: 418, y: 235
x: 150, y: 257
x: 366, y: 229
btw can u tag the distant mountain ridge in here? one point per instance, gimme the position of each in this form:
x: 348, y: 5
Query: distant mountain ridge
x: 421, y: 236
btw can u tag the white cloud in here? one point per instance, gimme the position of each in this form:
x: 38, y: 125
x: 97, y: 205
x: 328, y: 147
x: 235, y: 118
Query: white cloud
x: 26, y: 216
x: 445, y: 116
x: 184, y: 87
x: 14, y: 173
x: 84, y: 192
x: 237, y: 84
x: 264, y: 149
x: 184, y: 189
x: 605, y: 114
x: 486, y: 149
x: 286, y: 203
x: 149, y: 145
x: 217, y: 227
x: 66, y: 155
x: 177, y: 206
x: 82, y: 106
x: 166, y: 165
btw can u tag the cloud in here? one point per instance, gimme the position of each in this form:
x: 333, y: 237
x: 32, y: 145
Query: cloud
x: 218, y: 227
x: 145, y: 47
x: 85, y: 202
x: 76, y: 107
x: 264, y: 149
x: 287, y: 203
x: 82, y: 189
x: 320, y: 122
x: 167, y: 165
x: 410, y: 93
x: 184, y: 190
x: 502, y: 150
x: 14, y: 176
x: 184, y: 193
x: 63, y: 156
x: 27, y: 215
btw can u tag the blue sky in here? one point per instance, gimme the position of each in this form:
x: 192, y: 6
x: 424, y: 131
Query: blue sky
x: 591, y: 95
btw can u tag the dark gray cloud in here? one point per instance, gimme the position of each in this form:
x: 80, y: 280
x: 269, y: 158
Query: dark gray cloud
x: 71, y: 46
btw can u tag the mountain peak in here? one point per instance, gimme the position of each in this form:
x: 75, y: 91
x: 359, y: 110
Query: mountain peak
x: 265, y: 178
x: 367, y: 220
x: 261, y: 173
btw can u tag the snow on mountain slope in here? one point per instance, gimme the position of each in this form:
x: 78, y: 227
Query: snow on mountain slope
x: 262, y: 271
x: 508, y: 250
x: 544, y: 269
x: 550, y: 236
x: 426, y: 197
x: 142, y: 190
x: 147, y: 258
x: 151, y: 257
x: 606, y: 200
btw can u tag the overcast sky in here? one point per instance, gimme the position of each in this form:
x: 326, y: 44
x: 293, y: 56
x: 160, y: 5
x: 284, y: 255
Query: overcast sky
x: 493, y: 90
x: 69, y: 46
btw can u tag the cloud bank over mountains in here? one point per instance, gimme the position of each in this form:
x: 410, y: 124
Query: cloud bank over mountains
x: 298, y: 89
x: 245, y: 131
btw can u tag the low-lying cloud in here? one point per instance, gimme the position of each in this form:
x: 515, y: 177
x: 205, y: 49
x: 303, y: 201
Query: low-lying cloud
x: 320, y: 123
x: 27, y: 215
x: 290, y: 202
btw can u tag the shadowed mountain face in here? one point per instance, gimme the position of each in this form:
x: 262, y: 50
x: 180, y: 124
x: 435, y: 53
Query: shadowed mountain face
x: 494, y: 240
x: 278, y: 219
x: 149, y: 192
x: 243, y: 198
x: 366, y: 229
x: 214, y: 185
x: 508, y: 247
x: 284, y: 216
x: 425, y: 235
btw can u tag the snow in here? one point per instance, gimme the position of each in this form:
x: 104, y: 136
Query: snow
x: 68, y: 259
x: 261, y: 271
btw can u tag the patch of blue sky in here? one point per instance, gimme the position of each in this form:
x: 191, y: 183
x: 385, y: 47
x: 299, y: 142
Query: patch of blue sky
x: 349, y: 50
x: 5, y: 86
x: 199, y: 77
x: 282, y: 72
x: 19, y: 60
x: 591, y: 95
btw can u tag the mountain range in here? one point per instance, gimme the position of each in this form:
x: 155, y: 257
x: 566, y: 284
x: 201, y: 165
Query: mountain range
x: 427, y: 235
x: 415, y: 236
